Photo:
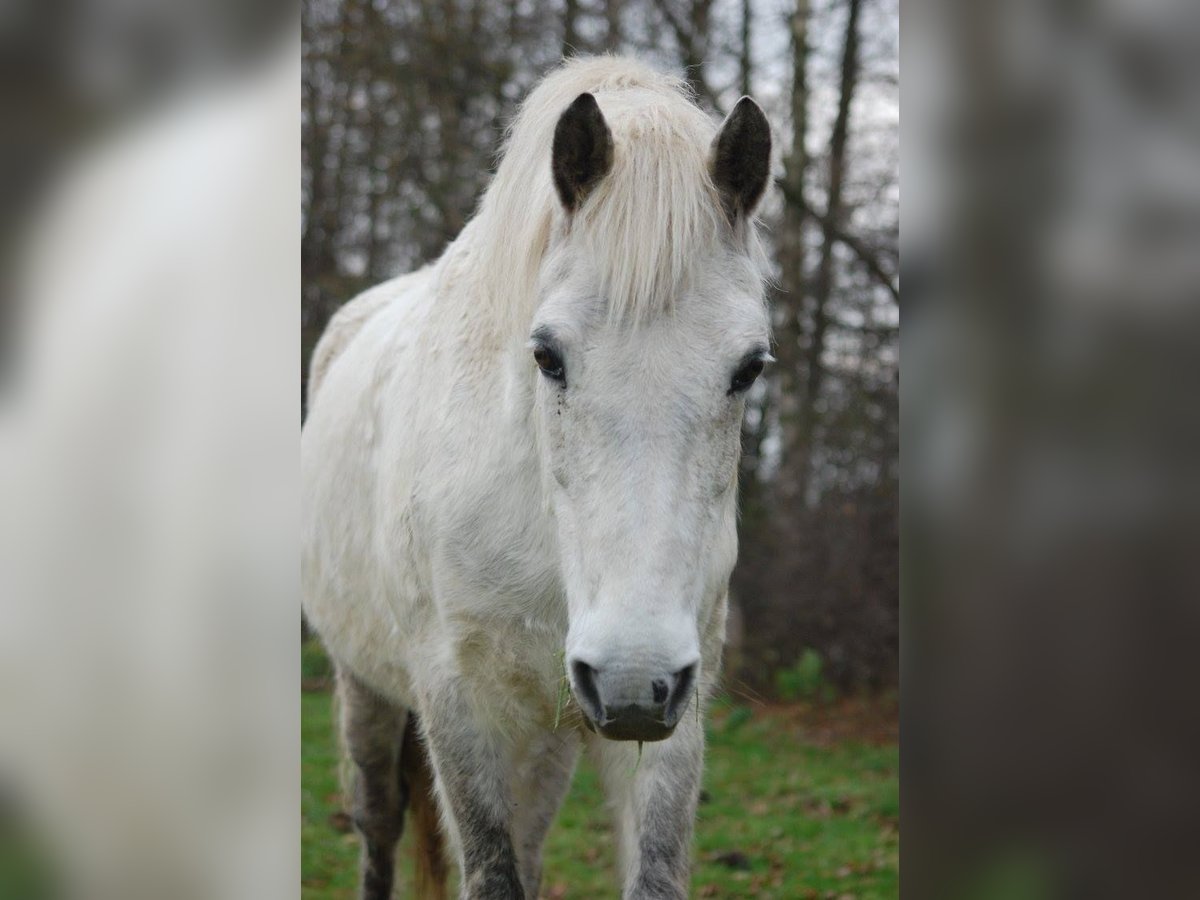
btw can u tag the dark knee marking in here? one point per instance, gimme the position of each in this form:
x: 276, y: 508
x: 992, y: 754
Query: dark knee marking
x: 380, y: 797
x: 377, y: 881
x: 378, y: 827
x: 489, y: 859
x: 491, y: 884
x: 379, y: 818
x: 490, y: 870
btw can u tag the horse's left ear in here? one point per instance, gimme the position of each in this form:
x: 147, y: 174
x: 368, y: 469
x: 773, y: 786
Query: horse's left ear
x: 583, y: 151
x: 741, y: 159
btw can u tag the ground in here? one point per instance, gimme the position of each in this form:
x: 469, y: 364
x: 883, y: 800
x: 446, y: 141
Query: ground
x: 800, y: 801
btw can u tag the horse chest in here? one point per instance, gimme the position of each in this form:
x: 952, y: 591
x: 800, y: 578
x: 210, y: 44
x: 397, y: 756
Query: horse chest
x: 495, y: 540
x: 511, y: 666
x: 501, y: 598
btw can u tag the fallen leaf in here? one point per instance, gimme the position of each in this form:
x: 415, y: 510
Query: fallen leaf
x: 734, y: 859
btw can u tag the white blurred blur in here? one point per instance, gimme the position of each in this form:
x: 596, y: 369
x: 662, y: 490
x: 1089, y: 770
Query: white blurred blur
x: 1051, y: 160
x: 148, y: 419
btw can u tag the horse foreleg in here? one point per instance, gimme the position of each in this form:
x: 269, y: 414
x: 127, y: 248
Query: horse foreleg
x: 653, y: 799
x: 472, y: 769
x: 539, y: 785
x: 373, y: 730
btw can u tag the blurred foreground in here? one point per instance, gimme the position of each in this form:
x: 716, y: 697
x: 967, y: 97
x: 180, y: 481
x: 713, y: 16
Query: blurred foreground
x: 1051, y: 449
x: 148, y: 562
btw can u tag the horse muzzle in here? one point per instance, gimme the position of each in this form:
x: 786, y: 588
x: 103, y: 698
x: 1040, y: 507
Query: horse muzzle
x: 624, y: 705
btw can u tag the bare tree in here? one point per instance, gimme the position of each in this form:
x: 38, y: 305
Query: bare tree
x: 689, y: 23
x: 830, y: 222
x: 791, y: 248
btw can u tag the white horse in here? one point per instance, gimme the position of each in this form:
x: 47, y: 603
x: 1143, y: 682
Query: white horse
x: 520, y: 470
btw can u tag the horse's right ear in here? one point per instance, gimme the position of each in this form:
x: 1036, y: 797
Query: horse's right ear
x: 583, y: 151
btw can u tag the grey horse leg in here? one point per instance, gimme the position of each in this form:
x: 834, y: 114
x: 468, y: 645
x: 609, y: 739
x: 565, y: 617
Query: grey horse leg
x: 654, y: 800
x: 539, y: 785
x: 473, y: 785
x: 373, y: 730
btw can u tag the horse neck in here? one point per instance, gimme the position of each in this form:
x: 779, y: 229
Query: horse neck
x: 485, y: 333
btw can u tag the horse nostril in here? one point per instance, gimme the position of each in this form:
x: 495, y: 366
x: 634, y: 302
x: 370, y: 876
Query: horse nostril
x: 681, y: 693
x: 586, y: 690
x: 660, y: 690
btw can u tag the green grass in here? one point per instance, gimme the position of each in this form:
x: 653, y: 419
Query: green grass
x: 811, y: 814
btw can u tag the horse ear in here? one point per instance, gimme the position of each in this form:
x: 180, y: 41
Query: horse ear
x: 741, y: 159
x: 583, y: 151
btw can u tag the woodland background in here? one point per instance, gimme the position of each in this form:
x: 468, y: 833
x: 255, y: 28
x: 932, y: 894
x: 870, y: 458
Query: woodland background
x: 404, y: 108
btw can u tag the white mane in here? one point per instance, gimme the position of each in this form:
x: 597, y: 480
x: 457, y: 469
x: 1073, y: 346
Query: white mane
x: 651, y: 217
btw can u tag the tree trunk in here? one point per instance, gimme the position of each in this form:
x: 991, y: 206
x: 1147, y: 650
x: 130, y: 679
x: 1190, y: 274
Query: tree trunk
x: 789, y: 299
x: 834, y: 213
x: 571, y: 28
x: 612, y: 14
x: 699, y: 22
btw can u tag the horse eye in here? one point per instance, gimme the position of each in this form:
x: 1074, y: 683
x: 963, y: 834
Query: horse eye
x: 746, y: 375
x: 549, y: 362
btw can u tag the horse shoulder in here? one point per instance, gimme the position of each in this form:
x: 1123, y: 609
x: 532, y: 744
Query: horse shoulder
x: 363, y: 609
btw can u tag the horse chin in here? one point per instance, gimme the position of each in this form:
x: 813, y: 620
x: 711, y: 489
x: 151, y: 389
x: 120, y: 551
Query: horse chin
x: 632, y: 727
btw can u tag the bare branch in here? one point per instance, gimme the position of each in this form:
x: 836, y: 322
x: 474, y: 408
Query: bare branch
x: 865, y: 254
x: 692, y: 53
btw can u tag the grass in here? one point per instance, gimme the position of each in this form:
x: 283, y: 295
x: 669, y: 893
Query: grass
x: 800, y: 801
